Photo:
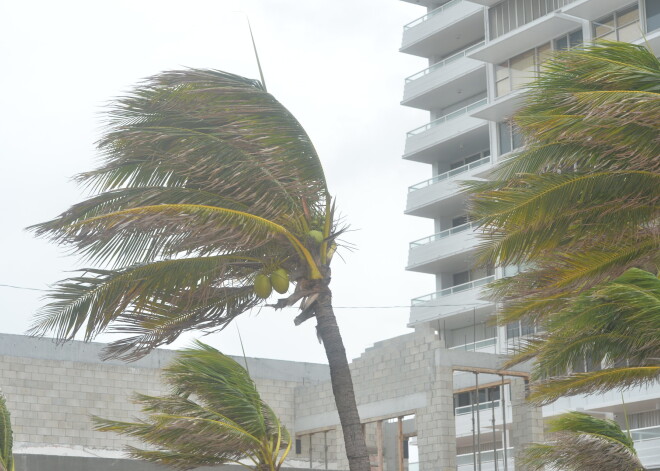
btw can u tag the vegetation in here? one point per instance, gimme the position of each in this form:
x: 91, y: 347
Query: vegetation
x: 6, y: 438
x: 581, y: 442
x: 213, y: 415
x: 207, y: 184
x: 577, y: 208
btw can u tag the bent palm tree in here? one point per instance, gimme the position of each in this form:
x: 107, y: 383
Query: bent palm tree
x: 581, y: 442
x: 213, y: 415
x: 579, y: 205
x: 207, y: 186
x: 616, y: 324
x: 6, y: 438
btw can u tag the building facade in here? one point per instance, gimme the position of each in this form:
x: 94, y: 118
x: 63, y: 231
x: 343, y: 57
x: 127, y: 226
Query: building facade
x: 481, y: 54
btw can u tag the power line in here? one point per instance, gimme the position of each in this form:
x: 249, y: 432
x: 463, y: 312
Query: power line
x: 294, y: 307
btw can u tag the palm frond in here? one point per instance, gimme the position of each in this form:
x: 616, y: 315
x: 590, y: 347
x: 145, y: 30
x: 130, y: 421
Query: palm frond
x: 6, y: 438
x: 213, y: 415
x: 580, y: 442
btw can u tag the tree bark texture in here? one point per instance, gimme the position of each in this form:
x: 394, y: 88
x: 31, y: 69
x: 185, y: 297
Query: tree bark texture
x: 342, y: 384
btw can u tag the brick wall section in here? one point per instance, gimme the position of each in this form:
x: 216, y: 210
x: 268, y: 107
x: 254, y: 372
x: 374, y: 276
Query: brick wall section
x: 527, y: 422
x: 51, y: 399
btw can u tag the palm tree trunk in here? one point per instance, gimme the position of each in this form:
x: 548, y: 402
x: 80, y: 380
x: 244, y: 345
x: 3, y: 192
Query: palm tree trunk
x: 342, y: 384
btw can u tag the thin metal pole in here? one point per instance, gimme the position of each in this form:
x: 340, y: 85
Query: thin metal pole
x: 492, y: 421
x: 310, y: 451
x: 503, y: 401
x: 474, y: 450
x: 478, y: 423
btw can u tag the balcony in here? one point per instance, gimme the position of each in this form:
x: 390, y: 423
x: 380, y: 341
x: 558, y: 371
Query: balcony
x: 425, y: 198
x: 647, y: 444
x: 502, y: 107
x: 426, y: 255
x: 525, y: 37
x: 594, y: 9
x: 483, y: 346
x: 446, y: 82
x: 448, y: 304
x: 452, y: 134
x: 448, y: 28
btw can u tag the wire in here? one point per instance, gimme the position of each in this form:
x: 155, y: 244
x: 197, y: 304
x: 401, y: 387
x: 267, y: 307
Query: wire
x: 295, y: 307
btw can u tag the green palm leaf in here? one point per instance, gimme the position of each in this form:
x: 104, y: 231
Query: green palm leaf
x: 580, y: 442
x: 213, y: 415
x: 6, y: 438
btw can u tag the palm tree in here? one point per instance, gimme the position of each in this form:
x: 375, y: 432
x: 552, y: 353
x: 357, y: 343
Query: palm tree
x: 581, y: 442
x: 616, y: 324
x: 6, y: 438
x: 212, y: 416
x: 579, y: 204
x: 208, y: 190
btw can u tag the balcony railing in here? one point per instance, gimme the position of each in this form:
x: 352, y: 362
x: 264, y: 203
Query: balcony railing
x: 478, y: 345
x: 451, y: 173
x: 481, y: 406
x: 486, y: 456
x: 452, y: 290
x: 442, y: 235
x: 448, y: 117
x: 431, y: 14
x: 646, y: 433
x: 442, y: 63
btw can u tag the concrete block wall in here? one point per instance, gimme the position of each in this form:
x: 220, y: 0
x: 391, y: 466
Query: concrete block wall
x: 53, y: 390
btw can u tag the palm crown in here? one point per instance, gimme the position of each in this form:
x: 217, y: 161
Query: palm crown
x: 181, y: 234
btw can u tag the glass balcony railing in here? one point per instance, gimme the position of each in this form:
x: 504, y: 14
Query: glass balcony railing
x: 431, y: 14
x: 474, y: 346
x: 454, y: 289
x: 444, y: 62
x: 646, y: 433
x: 486, y: 456
x: 448, y: 117
x: 451, y: 173
x: 481, y: 406
x: 442, y: 235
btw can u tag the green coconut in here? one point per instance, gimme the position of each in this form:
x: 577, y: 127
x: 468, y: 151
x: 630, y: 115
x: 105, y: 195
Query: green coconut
x: 316, y: 236
x: 280, y: 280
x: 262, y: 286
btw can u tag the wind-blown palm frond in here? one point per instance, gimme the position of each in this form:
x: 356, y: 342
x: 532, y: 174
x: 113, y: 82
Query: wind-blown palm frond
x: 615, y: 325
x: 581, y: 442
x: 6, y: 438
x: 579, y: 205
x: 213, y: 415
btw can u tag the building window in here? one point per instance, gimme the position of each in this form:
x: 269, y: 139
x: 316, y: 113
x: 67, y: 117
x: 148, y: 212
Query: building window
x: 465, y: 401
x: 652, y: 8
x: 568, y: 41
x: 511, y: 14
x: 510, y: 138
x: 622, y: 25
x: 518, y: 71
x: 520, y: 329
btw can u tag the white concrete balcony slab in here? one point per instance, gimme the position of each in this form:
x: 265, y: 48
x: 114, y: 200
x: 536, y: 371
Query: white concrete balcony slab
x: 647, y: 444
x: 486, y: 3
x: 450, y: 304
x: 594, y: 9
x: 448, y: 28
x: 449, y: 133
x: 426, y: 255
x: 502, y: 108
x: 446, y: 82
x: 653, y: 41
x: 526, y: 37
x: 424, y: 198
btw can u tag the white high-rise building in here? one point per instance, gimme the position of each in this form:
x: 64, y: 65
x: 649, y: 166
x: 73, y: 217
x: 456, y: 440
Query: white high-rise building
x: 481, y: 54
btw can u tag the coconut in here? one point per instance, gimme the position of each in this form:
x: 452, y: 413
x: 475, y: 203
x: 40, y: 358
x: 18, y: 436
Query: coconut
x: 262, y: 286
x: 316, y: 236
x: 280, y: 280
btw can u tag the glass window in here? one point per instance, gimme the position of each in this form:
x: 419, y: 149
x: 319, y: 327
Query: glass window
x: 512, y: 330
x: 652, y: 15
x: 505, y: 138
x: 561, y: 44
x: 575, y: 38
x: 623, y: 25
x: 461, y: 278
x: 630, y: 33
x: 522, y: 69
x: 604, y: 27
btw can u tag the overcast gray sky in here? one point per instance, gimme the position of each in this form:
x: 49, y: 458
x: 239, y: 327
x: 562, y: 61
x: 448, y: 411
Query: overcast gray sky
x: 335, y: 65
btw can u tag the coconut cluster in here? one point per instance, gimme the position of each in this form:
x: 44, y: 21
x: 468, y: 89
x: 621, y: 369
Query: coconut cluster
x: 265, y: 284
